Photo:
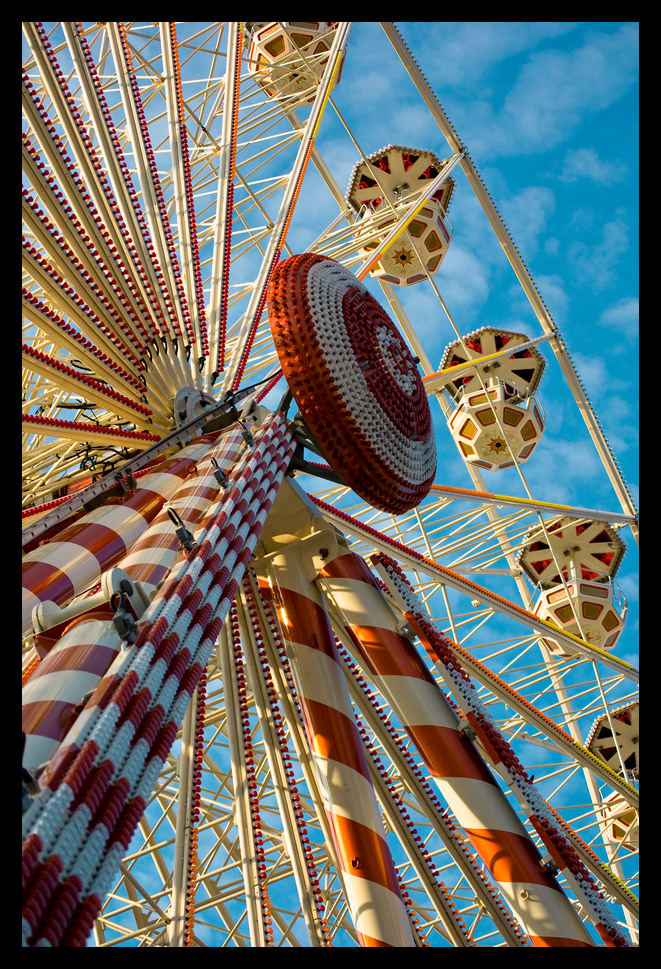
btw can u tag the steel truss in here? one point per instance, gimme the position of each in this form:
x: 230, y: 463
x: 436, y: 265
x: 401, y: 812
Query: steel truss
x: 242, y: 768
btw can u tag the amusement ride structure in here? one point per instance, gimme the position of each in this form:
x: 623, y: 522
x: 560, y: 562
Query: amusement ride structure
x: 284, y: 684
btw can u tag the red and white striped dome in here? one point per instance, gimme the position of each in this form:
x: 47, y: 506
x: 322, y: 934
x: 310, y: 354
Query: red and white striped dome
x: 355, y: 381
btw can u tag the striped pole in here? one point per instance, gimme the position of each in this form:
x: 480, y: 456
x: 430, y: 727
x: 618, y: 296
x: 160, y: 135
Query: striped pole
x: 73, y: 563
x: 367, y: 869
x: 153, y: 556
x: 566, y: 851
x: 233, y: 507
x: 459, y: 771
x: 78, y: 828
x: 89, y: 644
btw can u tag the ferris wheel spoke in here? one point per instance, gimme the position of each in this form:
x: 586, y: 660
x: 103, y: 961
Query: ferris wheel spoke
x: 175, y: 310
x: 118, y: 174
x: 181, y: 175
x: 251, y: 319
x: 99, y: 197
x: 224, y: 206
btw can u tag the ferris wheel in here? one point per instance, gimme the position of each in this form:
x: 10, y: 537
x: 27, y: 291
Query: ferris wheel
x: 296, y: 672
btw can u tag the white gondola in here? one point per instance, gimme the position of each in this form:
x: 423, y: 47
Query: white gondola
x: 288, y: 58
x: 574, y: 564
x: 380, y: 189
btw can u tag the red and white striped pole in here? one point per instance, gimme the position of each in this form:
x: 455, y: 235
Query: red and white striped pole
x: 367, y: 869
x: 154, y: 555
x: 74, y: 561
x: 89, y: 643
x: 78, y: 828
x: 463, y: 778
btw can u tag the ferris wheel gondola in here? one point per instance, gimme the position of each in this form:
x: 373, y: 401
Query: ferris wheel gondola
x: 285, y: 684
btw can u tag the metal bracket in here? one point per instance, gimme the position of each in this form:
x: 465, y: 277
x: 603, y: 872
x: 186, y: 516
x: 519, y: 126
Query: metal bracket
x: 46, y: 615
x: 304, y: 440
x: 547, y: 863
x: 186, y: 539
x: 299, y: 464
x: 191, y: 404
x: 220, y: 475
x: 247, y: 436
x: 123, y: 488
x: 122, y: 620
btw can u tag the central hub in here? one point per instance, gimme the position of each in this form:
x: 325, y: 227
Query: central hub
x: 355, y: 381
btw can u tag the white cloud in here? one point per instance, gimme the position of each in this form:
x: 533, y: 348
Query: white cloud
x: 594, y: 265
x: 559, y: 469
x: 597, y: 376
x: 527, y: 215
x: 622, y: 316
x: 585, y: 163
x: 623, y: 438
x: 488, y: 42
x: 553, y: 292
x: 629, y: 584
x: 556, y: 90
x: 463, y: 281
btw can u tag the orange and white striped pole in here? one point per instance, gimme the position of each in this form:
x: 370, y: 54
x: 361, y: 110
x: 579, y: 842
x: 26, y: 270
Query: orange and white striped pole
x: 367, y: 868
x: 463, y: 778
x: 72, y: 563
